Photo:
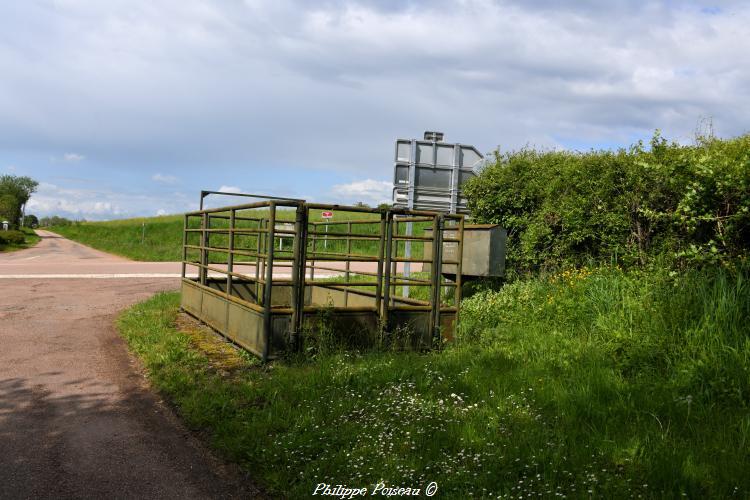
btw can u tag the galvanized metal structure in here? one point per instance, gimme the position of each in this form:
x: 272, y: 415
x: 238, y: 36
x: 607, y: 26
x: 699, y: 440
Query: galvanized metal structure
x: 269, y: 270
x: 483, y: 253
x: 428, y: 174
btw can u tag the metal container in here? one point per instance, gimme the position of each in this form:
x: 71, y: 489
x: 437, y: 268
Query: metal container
x: 483, y: 252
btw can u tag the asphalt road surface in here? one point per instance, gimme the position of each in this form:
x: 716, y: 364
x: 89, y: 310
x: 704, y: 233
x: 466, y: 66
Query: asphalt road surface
x: 76, y: 417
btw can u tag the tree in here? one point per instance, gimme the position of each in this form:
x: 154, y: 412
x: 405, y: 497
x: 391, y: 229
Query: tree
x: 8, y: 208
x: 20, y: 188
x: 30, y: 220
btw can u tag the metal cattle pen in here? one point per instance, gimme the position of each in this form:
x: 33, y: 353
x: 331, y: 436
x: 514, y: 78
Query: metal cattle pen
x: 264, y: 294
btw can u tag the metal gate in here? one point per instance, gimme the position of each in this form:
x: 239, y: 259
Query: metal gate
x: 267, y: 270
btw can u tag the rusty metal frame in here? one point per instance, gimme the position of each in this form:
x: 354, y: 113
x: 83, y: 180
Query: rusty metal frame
x: 252, y: 275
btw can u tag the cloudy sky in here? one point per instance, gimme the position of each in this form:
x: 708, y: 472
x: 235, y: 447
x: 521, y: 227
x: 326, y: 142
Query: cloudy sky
x: 123, y: 108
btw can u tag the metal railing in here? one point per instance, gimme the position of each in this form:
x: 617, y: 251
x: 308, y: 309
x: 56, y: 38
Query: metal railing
x: 353, y: 264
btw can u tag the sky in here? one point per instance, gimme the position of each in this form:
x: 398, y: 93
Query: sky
x: 130, y: 108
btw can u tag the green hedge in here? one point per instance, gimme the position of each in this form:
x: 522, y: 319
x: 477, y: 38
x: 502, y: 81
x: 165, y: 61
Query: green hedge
x: 688, y: 204
x: 12, y: 238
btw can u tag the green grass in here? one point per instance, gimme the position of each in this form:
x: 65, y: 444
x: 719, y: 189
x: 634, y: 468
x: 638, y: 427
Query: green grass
x: 589, y: 383
x: 159, y: 239
x: 30, y: 239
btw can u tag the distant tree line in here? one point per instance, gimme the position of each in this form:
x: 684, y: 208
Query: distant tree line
x: 15, y: 192
x: 679, y: 205
x: 56, y: 221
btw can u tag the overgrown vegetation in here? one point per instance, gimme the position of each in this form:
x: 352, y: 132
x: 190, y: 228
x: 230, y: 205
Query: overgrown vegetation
x: 15, y: 191
x: 615, y: 363
x: 684, y: 205
x: 17, y: 239
x: 595, y: 382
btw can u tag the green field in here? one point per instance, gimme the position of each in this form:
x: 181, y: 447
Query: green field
x: 592, y: 382
x: 159, y: 239
x: 145, y: 239
x: 29, y: 240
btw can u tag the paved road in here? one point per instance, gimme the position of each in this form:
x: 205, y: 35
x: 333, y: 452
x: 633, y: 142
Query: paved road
x: 76, y: 420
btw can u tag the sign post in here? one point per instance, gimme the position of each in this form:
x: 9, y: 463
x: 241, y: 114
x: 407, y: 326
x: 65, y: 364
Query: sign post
x: 326, y: 215
x: 428, y: 175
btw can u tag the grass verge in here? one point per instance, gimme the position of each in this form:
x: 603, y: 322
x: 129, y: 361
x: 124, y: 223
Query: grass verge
x: 30, y: 239
x: 588, y: 383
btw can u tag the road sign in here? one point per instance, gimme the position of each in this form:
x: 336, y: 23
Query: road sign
x: 428, y: 174
x: 327, y: 215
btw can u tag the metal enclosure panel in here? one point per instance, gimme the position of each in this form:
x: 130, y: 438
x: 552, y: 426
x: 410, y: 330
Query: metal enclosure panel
x: 245, y: 327
x: 483, y: 252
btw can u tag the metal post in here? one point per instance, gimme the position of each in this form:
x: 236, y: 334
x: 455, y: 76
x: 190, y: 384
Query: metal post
x: 258, y: 249
x: 394, y: 255
x: 410, y: 206
x: 314, y: 241
x: 437, y: 252
x: 268, y: 286
x: 459, y: 267
x: 455, y: 177
x: 184, y: 245
x: 230, y: 255
x: 348, y: 262
x: 387, y: 264
x: 203, y: 272
x: 381, y: 249
x: 298, y: 282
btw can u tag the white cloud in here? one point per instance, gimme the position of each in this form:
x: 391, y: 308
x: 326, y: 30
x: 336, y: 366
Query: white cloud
x: 164, y: 179
x: 229, y: 189
x: 369, y: 191
x: 73, y: 157
x: 101, y: 203
x: 340, y: 80
x: 161, y: 212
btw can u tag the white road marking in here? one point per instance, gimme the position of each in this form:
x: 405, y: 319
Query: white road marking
x: 124, y: 275
x: 91, y: 276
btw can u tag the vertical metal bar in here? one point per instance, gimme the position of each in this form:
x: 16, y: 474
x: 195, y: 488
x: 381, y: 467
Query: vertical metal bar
x: 381, y: 249
x: 230, y: 255
x: 394, y: 265
x: 204, y: 251
x: 298, y: 282
x: 455, y: 177
x: 407, y: 254
x: 258, y: 269
x: 387, y: 280
x: 314, y: 241
x: 184, y: 245
x: 348, y: 262
x: 268, y: 286
x: 437, y: 247
x: 410, y: 205
x: 459, y: 269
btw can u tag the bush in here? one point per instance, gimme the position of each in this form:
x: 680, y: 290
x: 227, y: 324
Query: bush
x: 690, y: 204
x: 12, y: 238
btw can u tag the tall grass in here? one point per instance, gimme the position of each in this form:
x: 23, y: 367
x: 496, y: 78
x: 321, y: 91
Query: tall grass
x: 159, y: 239
x: 594, y: 382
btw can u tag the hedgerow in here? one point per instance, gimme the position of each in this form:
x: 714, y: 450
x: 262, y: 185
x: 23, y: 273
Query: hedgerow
x: 686, y: 205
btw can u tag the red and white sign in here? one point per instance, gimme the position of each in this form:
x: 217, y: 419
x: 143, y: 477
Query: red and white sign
x: 327, y: 215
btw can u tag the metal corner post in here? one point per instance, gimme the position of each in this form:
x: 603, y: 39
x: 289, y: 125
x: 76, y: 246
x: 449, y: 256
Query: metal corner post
x: 298, y: 274
x: 387, y: 265
x: 437, y: 269
x: 268, y: 285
